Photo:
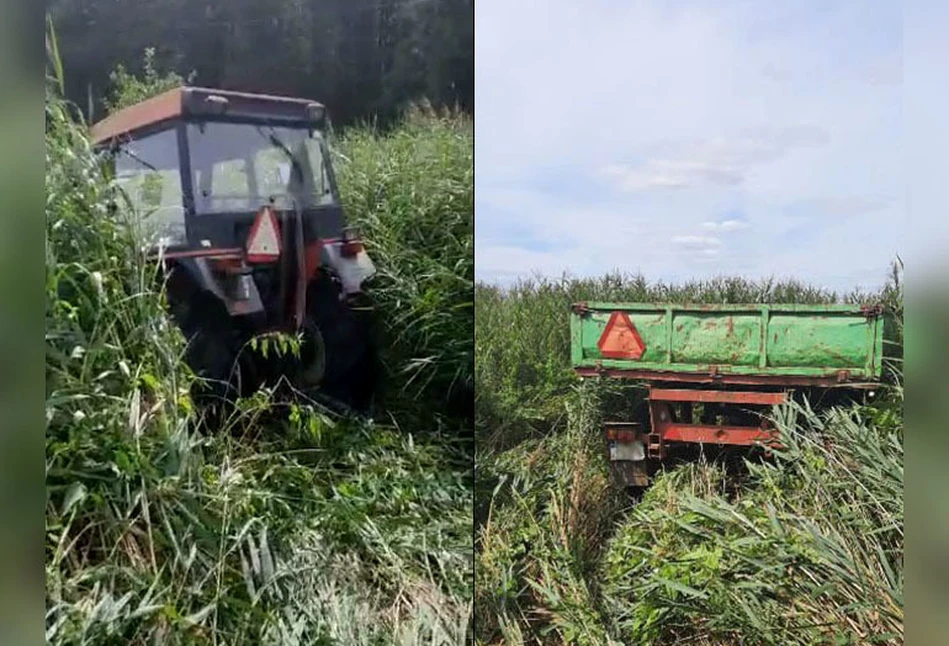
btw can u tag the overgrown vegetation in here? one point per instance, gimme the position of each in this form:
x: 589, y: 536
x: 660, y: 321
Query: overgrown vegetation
x: 412, y: 192
x: 287, y: 525
x: 129, y: 89
x: 804, y: 549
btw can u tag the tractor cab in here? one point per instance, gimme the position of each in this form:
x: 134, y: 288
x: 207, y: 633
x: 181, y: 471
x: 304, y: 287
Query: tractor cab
x: 236, y: 194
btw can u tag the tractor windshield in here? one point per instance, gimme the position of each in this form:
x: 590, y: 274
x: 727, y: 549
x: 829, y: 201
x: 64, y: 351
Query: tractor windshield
x: 240, y: 167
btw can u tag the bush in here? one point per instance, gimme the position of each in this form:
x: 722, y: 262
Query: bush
x: 129, y: 89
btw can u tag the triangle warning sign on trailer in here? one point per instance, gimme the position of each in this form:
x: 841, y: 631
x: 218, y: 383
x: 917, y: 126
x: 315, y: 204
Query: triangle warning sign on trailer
x: 620, y: 339
x: 263, y: 243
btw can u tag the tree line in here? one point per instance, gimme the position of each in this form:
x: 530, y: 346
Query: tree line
x: 364, y: 59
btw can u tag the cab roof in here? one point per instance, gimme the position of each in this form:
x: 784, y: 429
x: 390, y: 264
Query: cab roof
x: 198, y: 101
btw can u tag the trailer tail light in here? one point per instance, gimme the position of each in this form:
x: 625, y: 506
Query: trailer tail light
x: 625, y: 441
x: 263, y: 243
x: 351, y: 248
x: 620, y: 435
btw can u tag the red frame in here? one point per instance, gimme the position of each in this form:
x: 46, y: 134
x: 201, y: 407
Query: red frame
x: 841, y: 378
x: 664, y: 429
x: 718, y: 396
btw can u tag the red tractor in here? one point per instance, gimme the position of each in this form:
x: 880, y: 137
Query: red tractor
x: 236, y: 196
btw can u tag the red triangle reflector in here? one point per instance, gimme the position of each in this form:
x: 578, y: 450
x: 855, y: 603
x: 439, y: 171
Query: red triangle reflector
x: 620, y: 339
x: 263, y: 243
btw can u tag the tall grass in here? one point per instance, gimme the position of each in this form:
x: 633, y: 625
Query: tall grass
x: 287, y: 525
x: 540, y: 538
x: 411, y: 191
x: 805, y: 549
x: 809, y: 551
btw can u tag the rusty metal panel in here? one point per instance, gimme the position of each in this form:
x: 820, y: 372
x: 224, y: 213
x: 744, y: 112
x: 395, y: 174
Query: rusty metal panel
x: 182, y: 101
x: 717, y: 396
x: 162, y: 107
x: 708, y: 337
x: 721, y: 435
x: 818, y: 341
x: 825, y: 345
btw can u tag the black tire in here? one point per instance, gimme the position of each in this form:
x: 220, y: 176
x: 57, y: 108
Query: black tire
x: 352, y: 370
x: 212, y: 351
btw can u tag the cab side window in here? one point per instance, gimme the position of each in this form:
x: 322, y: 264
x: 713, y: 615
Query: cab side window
x: 147, y: 171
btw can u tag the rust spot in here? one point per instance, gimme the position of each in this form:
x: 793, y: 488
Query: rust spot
x: 731, y: 326
x: 775, y: 337
x: 163, y: 106
x: 734, y: 357
x: 679, y: 327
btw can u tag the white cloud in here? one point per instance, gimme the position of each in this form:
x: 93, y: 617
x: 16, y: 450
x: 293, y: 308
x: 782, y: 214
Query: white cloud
x: 697, y: 242
x: 626, y: 135
x: 721, y: 160
x: 662, y: 173
x: 725, y: 226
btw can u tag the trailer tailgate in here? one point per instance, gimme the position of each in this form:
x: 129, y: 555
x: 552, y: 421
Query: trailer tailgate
x: 826, y: 344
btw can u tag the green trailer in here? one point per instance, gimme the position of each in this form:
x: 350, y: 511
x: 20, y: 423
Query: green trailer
x: 712, y: 370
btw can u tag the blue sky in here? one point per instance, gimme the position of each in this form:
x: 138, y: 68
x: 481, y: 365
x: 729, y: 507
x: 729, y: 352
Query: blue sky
x: 690, y: 139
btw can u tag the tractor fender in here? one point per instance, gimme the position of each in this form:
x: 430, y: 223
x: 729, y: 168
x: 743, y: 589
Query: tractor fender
x: 195, y: 276
x: 186, y: 284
